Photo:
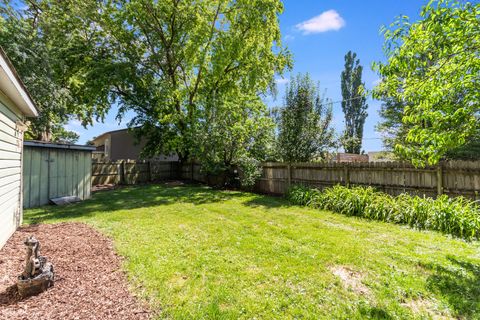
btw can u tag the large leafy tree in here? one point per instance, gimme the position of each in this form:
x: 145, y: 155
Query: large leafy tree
x: 354, y: 104
x: 52, y: 46
x: 433, y: 71
x: 236, y: 133
x: 305, y: 132
x: 188, y: 60
x: 394, y: 132
x: 469, y: 151
x: 192, y: 71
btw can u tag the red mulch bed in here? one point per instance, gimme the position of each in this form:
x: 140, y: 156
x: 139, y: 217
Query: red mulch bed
x: 89, y: 283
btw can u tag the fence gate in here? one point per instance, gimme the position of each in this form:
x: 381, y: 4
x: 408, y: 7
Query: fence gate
x: 55, y: 170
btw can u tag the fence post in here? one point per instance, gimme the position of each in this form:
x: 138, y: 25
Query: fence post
x: 119, y: 172
x: 149, y: 171
x: 123, y: 178
x: 289, y: 175
x: 439, y: 179
x: 347, y: 175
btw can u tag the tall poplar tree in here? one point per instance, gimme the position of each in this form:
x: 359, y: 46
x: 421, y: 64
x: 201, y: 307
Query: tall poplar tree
x: 354, y: 104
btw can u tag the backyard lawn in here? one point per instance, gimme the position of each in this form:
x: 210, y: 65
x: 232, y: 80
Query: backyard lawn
x: 193, y: 252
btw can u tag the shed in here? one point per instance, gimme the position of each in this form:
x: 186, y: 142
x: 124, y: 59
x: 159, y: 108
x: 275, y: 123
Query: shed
x: 53, y: 170
x: 15, y: 105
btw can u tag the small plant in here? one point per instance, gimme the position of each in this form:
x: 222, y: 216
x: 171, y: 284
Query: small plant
x: 456, y: 216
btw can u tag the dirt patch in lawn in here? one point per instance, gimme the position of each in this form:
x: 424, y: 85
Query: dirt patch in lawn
x: 426, y: 307
x: 350, y: 279
x: 175, y: 183
x: 89, y: 283
x: 105, y: 187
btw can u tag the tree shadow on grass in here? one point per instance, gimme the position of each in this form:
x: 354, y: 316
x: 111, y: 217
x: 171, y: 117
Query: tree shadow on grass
x: 376, y: 313
x: 129, y: 198
x: 268, y: 202
x: 459, y: 284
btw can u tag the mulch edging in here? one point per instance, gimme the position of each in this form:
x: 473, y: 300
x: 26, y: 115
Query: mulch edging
x: 89, y: 282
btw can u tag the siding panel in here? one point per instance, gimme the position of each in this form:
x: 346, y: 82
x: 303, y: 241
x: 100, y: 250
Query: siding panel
x: 27, y: 162
x: 10, y: 172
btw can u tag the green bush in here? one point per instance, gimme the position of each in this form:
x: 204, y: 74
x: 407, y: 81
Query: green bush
x: 456, y: 216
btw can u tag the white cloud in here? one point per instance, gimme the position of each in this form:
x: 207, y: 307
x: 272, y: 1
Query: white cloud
x: 326, y: 21
x: 69, y: 128
x: 75, y: 123
x: 282, y: 80
x: 289, y: 37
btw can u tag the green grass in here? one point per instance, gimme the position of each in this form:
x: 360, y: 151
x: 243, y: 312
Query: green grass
x: 195, y: 253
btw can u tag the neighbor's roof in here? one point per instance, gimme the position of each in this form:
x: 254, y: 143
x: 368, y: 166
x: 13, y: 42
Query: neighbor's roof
x: 12, y: 86
x: 42, y: 144
x: 110, y: 132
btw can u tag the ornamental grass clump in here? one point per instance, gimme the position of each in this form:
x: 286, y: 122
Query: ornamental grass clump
x: 348, y: 201
x: 304, y: 196
x: 383, y: 207
x: 456, y: 216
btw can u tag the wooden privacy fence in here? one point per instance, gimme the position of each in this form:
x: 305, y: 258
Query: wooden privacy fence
x: 452, y: 178
x: 132, y: 172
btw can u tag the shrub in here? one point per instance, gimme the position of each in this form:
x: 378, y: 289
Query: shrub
x: 456, y: 216
x: 250, y: 172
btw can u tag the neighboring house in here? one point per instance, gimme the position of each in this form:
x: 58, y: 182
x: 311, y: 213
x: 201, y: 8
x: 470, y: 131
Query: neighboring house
x: 381, y: 156
x: 351, y: 157
x: 15, y: 105
x: 121, y: 145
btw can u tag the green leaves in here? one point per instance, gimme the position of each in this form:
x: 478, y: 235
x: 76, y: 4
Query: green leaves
x: 304, y: 123
x: 191, y: 71
x: 57, y: 50
x: 196, y: 69
x: 433, y: 75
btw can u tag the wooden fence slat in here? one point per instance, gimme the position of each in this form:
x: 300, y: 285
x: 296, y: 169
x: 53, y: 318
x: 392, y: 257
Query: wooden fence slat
x: 452, y: 178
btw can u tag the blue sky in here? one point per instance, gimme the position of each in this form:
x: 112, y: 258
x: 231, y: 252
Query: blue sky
x: 319, y: 33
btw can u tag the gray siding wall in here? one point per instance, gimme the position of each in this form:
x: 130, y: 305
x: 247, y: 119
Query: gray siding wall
x: 51, y: 173
x: 11, y: 141
x: 123, y: 146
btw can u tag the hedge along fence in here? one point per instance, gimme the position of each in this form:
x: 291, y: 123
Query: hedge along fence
x: 456, y: 216
x: 454, y: 178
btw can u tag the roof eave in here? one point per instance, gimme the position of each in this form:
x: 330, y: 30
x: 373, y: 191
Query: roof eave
x: 15, y: 90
